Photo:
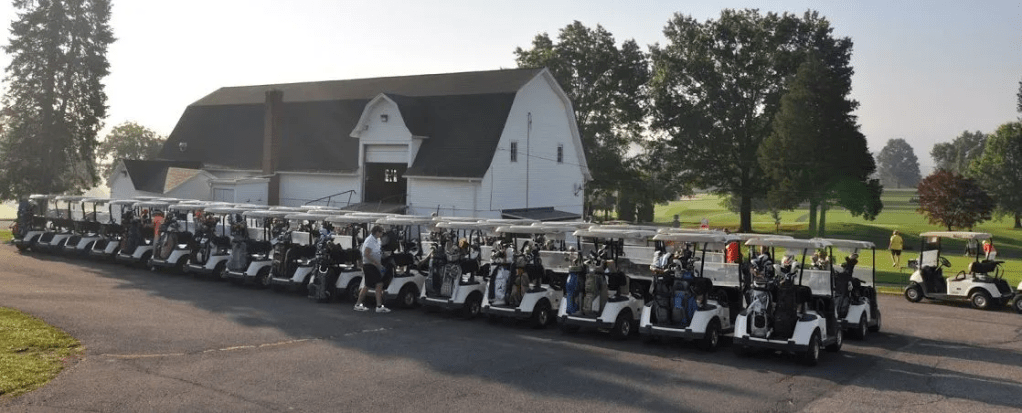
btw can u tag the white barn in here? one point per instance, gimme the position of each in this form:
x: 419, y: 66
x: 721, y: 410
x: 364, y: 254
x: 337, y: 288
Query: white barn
x: 485, y: 144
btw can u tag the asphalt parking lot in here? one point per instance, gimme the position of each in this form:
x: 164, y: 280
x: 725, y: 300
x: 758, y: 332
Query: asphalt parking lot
x: 165, y: 342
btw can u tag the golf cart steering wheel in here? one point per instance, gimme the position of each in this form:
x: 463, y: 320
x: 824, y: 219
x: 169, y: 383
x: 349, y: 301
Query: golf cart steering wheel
x: 944, y: 262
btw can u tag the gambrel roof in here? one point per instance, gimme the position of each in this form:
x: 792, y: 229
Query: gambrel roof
x: 462, y: 114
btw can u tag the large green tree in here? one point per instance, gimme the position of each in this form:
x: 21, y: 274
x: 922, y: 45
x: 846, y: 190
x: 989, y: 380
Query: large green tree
x: 128, y: 140
x: 816, y: 152
x: 607, y: 87
x: 898, y: 165
x: 954, y: 201
x: 54, y: 103
x: 717, y: 86
x: 956, y: 155
x: 999, y: 170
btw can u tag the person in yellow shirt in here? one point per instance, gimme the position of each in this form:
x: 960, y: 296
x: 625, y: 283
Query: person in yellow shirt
x: 897, y: 244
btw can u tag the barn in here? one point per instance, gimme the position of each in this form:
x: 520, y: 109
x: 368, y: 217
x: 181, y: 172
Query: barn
x: 501, y: 143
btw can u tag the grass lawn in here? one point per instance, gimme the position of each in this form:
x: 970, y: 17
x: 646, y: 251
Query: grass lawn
x: 898, y: 214
x: 5, y: 236
x: 31, y: 352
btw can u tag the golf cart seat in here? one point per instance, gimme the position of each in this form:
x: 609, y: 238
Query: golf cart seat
x: 933, y: 277
x: 983, y: 267
x: 616, y: 280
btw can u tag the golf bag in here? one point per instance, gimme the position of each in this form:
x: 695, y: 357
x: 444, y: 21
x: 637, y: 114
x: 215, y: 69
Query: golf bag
x: 132, y: 238
x: 595, y: 294
x: 239, y: 253
x: 789, y: 300
x: 760, y: 311
x: 165, y: 243
x: 663, y: 295
x: 683, y: 303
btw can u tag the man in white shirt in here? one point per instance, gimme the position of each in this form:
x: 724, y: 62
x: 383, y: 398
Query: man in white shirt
x: 372, y: 267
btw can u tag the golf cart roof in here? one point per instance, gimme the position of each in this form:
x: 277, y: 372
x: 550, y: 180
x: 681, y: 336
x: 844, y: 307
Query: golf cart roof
x: 264, y: 213
x: 695, y: 237
x: 292, y: 209
x: 42, y: 196
x: 745, y: 236
x: 96, y: 200
x: 536, y: 229
x: 564, y: 224
x: 957, y: 235
x: 230, y: 209
x: 152, y: 204
x: 123, y: 202
x: 478, y: 225
x: 626, y: 227
x: 456, y: 219
x: 69, y: 198
x: 614, y: 233
x: 378, y: 215
x: 405, y: 220
x: 308, y: 216
x: 506, y: 221
x: 193, y: 206
x: 848, y: 244
x: 334, y: 218
x: 790, y: 243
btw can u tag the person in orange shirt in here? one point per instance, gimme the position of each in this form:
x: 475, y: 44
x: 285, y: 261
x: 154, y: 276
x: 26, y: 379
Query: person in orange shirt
x: 157, y: 220
x: 732, y: 252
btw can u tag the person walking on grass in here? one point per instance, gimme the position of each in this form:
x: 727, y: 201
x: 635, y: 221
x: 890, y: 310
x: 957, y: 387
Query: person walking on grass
x: 897, y: 244
x: 372, y: 270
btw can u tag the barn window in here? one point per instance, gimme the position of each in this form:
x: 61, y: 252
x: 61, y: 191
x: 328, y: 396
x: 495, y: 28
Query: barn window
x: 560, y: 153
x: 390, y: 175
x: 514, y: 151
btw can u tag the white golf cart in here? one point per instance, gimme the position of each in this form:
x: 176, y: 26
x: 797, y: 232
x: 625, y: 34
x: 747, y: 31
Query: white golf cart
x: 337, y: 266
x: 403, y: 277
x: 855, y: 286
x: 86, y: 226
x: 455, y: 273
x: 691, y: 297
x: 294, y: 252
x: 529, y: 283
x: 251, y: 263
x: 611, y: 289
x: 791, y: 308
x: 112, y: 230
x: 213, y: 241
x: 138, y: 242
x: 981, y: 282
x: 177, y: 237
x: 33, y: 219
x: 67, y: 210
x: 1017, y: 303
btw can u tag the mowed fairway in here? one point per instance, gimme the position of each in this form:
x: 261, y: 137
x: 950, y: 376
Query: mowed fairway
x: 899, y: 213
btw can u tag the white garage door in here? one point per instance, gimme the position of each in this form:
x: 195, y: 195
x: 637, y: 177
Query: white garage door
x: 387, y: 153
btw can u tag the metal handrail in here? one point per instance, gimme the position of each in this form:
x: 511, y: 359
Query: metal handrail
x: 350, y: 192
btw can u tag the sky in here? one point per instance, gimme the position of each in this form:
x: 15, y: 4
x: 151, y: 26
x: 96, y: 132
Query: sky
x: 925, y: 71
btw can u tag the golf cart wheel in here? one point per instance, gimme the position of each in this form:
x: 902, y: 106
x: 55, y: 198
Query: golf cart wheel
x: 21, y: 247
x: 220, y: 271
x: 812, y: 355
x: 263, y: 278
x: 1017, y: 304
x: 473, y: 305
x: 711, y: 339
x: 352, y: 290
x: 859, y: 332
x: 980, y: 300
x: 836, y: 347
x: 623, y: 325
x: 541, y: 316
x: 408, y: 296
x: 914, y: 293
x: 876, y: 328
x: 183, y: 265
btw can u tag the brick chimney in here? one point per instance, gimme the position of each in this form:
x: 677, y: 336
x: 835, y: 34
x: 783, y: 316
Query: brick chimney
x: 274, y: 108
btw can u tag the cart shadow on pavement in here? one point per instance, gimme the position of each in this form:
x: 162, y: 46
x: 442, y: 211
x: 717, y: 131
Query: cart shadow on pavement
x: 545, y: 362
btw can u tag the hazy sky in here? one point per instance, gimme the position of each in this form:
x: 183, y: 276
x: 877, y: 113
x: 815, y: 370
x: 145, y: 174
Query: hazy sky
x: 924, y: 70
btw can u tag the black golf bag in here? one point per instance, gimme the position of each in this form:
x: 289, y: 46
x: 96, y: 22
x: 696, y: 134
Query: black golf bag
x: 240, y: 241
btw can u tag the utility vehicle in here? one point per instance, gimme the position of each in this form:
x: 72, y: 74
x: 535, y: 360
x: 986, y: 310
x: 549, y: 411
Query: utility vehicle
x: 61, y: 224
x: 403, y: 275
x: 33, y: 218
x: 455, y: 270
x: 87, y: 226
x: 113, y: 231
x: 213, y: 236
x: 177, y: 239
x: 292, y: 256
x: 337, y: 265
x: 142, y: 231
x: 981, y: 283
x: 855, y: 286
x: 252, y: 257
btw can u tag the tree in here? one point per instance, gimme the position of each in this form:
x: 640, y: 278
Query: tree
x: 898, y: 165
x: 128, y: 140
x: 54, y: 104
x: 833, y: 163
x: 999, y: 170
x: 956, y: 155
x: 607, y: 88
x: 716, y: 88
x: 954, y: 201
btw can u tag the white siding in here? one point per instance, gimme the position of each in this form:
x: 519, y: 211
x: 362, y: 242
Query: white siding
x: 298, y: 189
x: 386, y: 153
x: 251, y: 192
x: 196, y: 187
x: 121, y: 187
x: 386, y: 141
x: 549, y: 183
x: 452, y: 197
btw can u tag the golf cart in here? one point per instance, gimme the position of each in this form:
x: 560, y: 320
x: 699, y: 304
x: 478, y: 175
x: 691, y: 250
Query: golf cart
x: 213, y: 236
x: 610, y: 290
x: 523, y: 283
x: 454, y: 267
x: 177, y: 237
x: 403, y: 279
x: 142, y: 231
x: 33, y: 216
x: 791, y: 308
x: 696, y: 294
x: 337, y: 265
x: 252, y: 256
x: 1017, y: 303
x: 112, y: 231
x: 61, y: 224
x: 87, y: 229
x: 855, y: 287
x: 295, y: 250
x: 981, y: 283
